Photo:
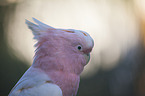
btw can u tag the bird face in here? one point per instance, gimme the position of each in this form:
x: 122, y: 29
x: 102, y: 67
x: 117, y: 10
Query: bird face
x: 81, y: 42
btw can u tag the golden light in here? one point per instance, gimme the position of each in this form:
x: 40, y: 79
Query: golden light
x: 113, y: 28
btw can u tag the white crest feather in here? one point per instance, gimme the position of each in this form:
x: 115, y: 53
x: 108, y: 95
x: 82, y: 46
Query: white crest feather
x: 38, y: 27
x: 42, y: 24
x: 35, y: 28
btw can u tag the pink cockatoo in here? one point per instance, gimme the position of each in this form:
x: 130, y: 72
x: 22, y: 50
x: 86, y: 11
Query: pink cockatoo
x: 60, y: 58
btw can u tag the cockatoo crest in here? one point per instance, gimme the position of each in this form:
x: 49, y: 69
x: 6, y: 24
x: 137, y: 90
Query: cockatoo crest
x: 36, y: 29
x: 41, y: 27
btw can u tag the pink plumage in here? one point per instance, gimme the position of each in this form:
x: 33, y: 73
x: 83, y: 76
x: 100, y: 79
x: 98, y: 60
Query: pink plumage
x: 60, y: 57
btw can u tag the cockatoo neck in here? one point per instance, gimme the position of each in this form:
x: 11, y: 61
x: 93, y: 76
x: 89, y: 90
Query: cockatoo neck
x: 64, y: 70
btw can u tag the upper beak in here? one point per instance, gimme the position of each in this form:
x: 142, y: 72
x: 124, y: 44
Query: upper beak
x: 87, y: 57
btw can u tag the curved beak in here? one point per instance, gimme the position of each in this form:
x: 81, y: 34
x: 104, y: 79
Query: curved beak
x: 87, y: 57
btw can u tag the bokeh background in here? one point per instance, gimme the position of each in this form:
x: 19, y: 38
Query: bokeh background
x: 117, y: 66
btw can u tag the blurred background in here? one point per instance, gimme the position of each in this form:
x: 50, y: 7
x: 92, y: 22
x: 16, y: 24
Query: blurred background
x: 117, y: 66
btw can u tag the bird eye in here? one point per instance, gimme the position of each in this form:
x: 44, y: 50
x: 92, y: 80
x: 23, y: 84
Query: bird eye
x: 79, y: 47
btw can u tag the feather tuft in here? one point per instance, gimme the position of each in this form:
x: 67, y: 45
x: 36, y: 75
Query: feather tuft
x: 42, y: 24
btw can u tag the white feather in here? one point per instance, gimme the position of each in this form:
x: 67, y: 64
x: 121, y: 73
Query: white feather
x: 35, y: 83
x: 42, y: 24
x: 38, y: 28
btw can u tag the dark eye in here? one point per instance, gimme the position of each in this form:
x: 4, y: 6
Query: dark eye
x: 79, y: 47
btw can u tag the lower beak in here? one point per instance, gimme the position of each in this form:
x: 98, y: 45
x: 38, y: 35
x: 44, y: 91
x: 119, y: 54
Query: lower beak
x: 87, y: 57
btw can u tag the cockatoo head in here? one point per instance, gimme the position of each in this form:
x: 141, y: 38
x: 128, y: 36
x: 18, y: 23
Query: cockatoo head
x: 60, y: 49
